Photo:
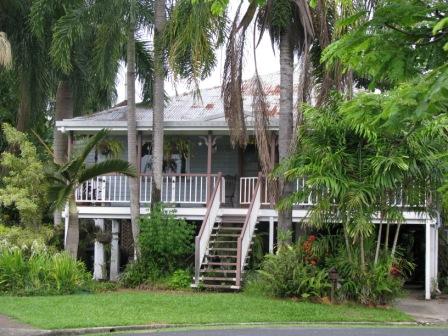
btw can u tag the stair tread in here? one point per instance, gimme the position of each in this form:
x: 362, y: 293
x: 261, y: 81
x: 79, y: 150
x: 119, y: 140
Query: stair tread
x: 223, y: 249
x: 220, y: 263
x: 213, y: 270
x: 220, y: 286
x: 223, y: 241
x: 228, y: 228
x: 205, y: 278
x: 220, y: 256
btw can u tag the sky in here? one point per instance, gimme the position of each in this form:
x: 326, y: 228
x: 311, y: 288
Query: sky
x: 266, y: 59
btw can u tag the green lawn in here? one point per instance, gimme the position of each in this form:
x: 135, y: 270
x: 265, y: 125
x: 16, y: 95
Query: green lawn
x: 140, y: 307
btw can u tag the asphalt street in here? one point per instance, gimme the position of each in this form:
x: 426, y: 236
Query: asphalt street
x: 301, y: 331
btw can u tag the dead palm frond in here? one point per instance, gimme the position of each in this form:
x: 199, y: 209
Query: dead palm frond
x: 5, y: 51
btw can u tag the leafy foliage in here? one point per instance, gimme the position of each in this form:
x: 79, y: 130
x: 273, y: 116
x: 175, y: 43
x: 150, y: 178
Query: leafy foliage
x: 403, y: 39
x: 180, y: 279
x: 165, y: 242
x: 358, y: 160
x: 289, y: 273
x: 24, y: 238
x: 24, y: 186
x: 39, y: 272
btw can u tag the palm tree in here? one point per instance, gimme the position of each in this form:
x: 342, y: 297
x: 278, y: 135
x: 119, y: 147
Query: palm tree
x: 159, y: 100
x: 5, y: 50
x: 132, y: 126
x: 290, y: 27
x: 66, y: 178
x: 30, y: 63
x: 88, y: 42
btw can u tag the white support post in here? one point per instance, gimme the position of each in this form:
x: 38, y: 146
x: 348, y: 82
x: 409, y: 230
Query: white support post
x: 434, y: 243
x: 99, y: 265
x: 428, y: 260
x: 66, y: 222
x: 271, y: 234
x: 115, y: 251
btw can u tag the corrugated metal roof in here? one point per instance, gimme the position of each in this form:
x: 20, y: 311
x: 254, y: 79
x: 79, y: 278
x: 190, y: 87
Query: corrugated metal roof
x: 208, y: 108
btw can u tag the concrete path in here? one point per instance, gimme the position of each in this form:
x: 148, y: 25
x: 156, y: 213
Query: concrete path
x: 10, y: 327
x: 301, y: 331
x: 432, y: 311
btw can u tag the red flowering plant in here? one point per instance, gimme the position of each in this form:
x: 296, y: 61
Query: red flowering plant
x: 309, y: 256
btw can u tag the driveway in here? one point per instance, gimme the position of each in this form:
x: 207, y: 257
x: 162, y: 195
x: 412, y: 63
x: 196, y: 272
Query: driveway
x: 304, y: 331
x: 432, y: 311
x: 10, y: 327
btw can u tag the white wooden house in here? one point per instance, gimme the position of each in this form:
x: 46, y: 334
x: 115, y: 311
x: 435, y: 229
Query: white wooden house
x: 215, y: 184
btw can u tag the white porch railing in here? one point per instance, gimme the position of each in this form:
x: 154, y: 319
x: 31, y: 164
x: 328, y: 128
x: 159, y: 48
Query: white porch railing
x: 247, y: 187
x: 176, y: 188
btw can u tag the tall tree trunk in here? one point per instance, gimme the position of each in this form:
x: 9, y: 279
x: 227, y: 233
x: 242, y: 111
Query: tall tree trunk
x: 394, y: 246
x: 363, y: 253
x: 378, y: 241
x: 63, y: 110
x: 159, y: 97
x: 285, y: 120
x: 132, y: 130
x: 72, y: 239
x: 347, y: 243
x: 24, y: 112
x: 386, y: 242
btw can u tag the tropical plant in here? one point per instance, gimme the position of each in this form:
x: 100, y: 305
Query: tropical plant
x: 289, y: 273
x: 24, y: 182
x: 66, y: 178
x: 39, y: 272
x: 166, y: 244
x: 24, y: 238
x: 30, y: 64
x: 165, y: 241
x: 354, y: 173
x: 180, y: 279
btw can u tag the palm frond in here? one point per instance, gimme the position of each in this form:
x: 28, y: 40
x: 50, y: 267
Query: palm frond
x: 5, y: 51
x: 107, y: 167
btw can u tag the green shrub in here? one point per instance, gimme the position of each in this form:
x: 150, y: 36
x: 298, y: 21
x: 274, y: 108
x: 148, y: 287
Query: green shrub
x: 378, y: 284
x: 180, y: 279
x: 24, y: 238
x: 134, y: 275
x: 301, y: 270
x: 35, y: 271
x: 288, y: 273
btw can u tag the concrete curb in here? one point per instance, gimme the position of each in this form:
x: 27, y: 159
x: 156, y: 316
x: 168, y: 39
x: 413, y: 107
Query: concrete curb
x: 104, y: 330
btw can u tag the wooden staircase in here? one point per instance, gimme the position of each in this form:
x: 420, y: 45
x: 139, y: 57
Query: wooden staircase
x: 223, y: 244
x: 219, y: 270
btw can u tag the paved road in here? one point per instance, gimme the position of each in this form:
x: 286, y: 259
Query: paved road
x: 301, y: 331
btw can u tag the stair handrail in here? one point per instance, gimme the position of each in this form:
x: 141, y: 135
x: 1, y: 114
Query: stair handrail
x: 203, y: 237
x: 248, y: 229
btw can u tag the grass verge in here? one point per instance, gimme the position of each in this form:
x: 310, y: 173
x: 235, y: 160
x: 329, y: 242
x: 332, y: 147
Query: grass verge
x: 141, y: 307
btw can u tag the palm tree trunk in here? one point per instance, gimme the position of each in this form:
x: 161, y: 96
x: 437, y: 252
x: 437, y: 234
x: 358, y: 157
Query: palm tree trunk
x: 72, y: 239
x: 394, y: 246
x: 132, y: 131
x: 63, y: 110
x: 159, y: 97
x: 24, y: 112
x: 378, y: 241
x: 347, y: 244
x: 285, y: 120
x: 386, y: 242
x: 363, y: 253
